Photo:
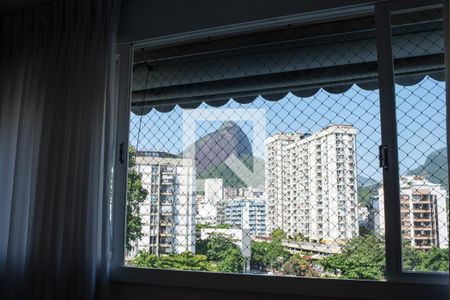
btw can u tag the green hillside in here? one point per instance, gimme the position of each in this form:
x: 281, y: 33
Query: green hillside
x: 435, y: 168
x: 229, y: 177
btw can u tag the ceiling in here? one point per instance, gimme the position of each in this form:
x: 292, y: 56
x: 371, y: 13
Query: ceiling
x: 12, y: 5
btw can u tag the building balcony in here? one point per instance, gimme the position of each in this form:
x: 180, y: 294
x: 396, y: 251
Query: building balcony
x: 421, y: 219
x: 421, y: 210
x: 423, y: 228
x: 423, y: 237
x: 165, y: 223
x: 423, y: 247
x: 167, y: 193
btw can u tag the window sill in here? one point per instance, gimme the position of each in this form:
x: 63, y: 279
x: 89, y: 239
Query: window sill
x: 436, y: 286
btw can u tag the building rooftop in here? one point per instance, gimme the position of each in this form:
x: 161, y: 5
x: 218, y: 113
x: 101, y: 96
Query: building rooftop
x: 156, y: 154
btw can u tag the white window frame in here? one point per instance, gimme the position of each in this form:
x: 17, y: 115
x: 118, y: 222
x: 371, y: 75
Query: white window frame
x: 411, y: 285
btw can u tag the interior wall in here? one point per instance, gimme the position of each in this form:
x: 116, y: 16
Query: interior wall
x: 122, y: 291
x: 7, y: 6
x: 385, y: 291
x: 143, y: 19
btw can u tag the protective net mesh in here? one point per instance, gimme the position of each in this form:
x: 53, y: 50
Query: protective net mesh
x: 286, y: 182
x: 422, y: 152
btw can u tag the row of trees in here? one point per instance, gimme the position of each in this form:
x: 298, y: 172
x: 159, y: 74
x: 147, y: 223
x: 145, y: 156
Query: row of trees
x: 271, y: 256
x: 216, y: 254
x: 362, y: 258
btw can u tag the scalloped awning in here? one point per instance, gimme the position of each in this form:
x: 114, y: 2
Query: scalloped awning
x: 302, y: 60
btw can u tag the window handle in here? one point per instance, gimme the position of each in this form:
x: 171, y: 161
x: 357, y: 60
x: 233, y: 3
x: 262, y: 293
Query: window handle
x: 121, y: 153
x: 383, y: 157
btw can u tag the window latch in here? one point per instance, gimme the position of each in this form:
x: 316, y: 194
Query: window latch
x: 121, y: 153
x: 383, y: 157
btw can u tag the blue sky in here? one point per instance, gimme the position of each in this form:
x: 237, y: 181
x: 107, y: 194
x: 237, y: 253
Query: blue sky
x: 420, y: 116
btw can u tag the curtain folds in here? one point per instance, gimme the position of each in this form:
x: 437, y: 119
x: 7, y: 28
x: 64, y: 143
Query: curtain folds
x: 57, y: 117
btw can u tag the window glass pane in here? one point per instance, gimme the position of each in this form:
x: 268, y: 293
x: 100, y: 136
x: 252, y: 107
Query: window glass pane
x: 300, y: 202
x: 422, y: 134
x: 282, y: 184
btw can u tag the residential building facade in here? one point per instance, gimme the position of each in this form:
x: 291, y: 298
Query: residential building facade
x: 247, y: 214
x: 168, y: 214
x: 423, y: 213
x: 312, y: 184
x: 210, y: 206
x: 275, y: 168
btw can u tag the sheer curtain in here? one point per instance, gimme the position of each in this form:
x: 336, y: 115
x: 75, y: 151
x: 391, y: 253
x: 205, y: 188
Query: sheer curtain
x: 56, y: 125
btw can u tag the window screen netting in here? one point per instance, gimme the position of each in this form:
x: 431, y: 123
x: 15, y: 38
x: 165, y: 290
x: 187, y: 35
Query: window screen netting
x: 258, y: 154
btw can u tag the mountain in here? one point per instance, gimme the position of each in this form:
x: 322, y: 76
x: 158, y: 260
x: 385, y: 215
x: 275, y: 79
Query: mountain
x: 213, y: 149
x: 230, y: 179
x: 364, y: 181
x: 435, y: 168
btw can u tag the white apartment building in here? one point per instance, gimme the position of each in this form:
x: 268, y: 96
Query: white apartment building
x: 311, y: 184
x: 423, y: 213
x: 253, y: 193
x: 247, y: 214
x: 210, y: 207
x: 275, y: 168
x: 213, y: 190
x: 168, y: 213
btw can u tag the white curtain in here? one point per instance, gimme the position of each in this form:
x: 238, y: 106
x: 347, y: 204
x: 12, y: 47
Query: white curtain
x: 56, y: 143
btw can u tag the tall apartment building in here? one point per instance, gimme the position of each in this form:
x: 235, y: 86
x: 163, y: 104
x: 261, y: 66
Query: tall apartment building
x: 423, y: 213
x: 247, y: 214
x: 312, y: 184
x: 275, y: 168
x: 168, y: 213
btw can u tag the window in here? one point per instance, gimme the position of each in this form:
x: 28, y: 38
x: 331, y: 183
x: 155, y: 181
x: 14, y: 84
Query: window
x: 422, y: 156
x: 291, y: 131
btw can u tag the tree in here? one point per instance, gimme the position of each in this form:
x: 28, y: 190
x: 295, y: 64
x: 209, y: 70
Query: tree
x: 298, y: 238
x: 410, y: 257
x: 221, y: 250
x: 136, y: 195
x: 278, y: 234
x: 218, y: 245
x: 365, y: 194
x: 268, y: 255
x: 201, y: 246
x: 232, y: 261
x: 433, y: 260
x: 258, y: 258
x: 361, y: 258
x: 299, y: 265
x: 184, y: 261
